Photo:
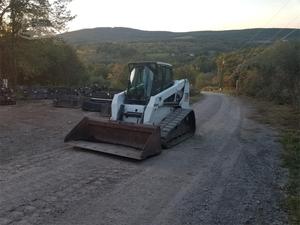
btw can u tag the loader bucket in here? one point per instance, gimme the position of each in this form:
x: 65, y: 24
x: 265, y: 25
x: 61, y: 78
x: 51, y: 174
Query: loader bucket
x: 128, y: 140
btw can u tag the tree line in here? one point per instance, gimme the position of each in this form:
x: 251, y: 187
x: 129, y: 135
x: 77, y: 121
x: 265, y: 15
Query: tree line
x: 29, y: 51
x: 271, y: 72
x: 31, y: 54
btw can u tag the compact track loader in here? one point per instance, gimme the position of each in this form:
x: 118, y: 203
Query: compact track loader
x: 153, y: 112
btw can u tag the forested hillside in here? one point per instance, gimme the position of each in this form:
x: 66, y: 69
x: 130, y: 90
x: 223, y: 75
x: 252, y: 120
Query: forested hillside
x: 271, y: 72
x: 100, y: 55
x: 121, y: 34
x: 207, y: 58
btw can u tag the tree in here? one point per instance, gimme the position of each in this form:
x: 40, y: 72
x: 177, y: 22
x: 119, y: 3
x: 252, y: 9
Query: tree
x: 271, y: 72
x: 29, y: 19
x: 33, y: 18
x: 97, y: 75
x: 118, y: 76
x: 49, y: 62
x: 279, y: 68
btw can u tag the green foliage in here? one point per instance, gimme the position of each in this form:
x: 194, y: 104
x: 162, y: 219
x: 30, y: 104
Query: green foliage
x: 32, y: 18
x: 272, y: 72
x: 286, y: 119
x: 186, y: 71
x: 195, y: 55
x: 48, y: 62
x: 109, y: 56
x: 24, y: 57
x: 291, y: 159
x: 118, y: 76
x: 97, y: 74
x: 280, y: 71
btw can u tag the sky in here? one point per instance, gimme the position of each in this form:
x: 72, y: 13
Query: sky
x: 185, y: 15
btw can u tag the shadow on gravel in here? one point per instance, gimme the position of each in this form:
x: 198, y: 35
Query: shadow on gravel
x: 192, y: 142
x: 108, y: 156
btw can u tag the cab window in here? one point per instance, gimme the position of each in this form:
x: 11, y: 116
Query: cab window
x: 168, y: 78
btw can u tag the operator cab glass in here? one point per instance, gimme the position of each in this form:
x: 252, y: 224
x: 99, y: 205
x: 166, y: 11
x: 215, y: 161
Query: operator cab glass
x: 140, y: 83
x: 146, y: 80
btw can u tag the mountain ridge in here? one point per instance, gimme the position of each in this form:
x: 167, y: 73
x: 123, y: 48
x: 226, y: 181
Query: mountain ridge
x: 125, y: 34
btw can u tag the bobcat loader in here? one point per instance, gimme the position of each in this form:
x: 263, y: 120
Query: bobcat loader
x: 153, y: 112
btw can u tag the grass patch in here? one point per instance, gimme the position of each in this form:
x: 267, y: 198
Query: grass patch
x: 291, y: 160
x: 287, y: 120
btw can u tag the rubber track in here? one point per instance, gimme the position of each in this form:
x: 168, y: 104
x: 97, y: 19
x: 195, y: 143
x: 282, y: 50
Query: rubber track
x: 173, y: 120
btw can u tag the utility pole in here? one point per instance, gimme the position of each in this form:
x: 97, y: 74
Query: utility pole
x: 13, y: 43
x: 221, y: 74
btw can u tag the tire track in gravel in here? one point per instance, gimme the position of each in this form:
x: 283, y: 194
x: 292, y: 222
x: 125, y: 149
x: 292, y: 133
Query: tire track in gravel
x: 40, y: 177
x: 48, y: 191
x: 205, y: 180
x: 227, y: 175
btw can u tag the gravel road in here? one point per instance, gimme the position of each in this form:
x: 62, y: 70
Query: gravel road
x: 229, y: 173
